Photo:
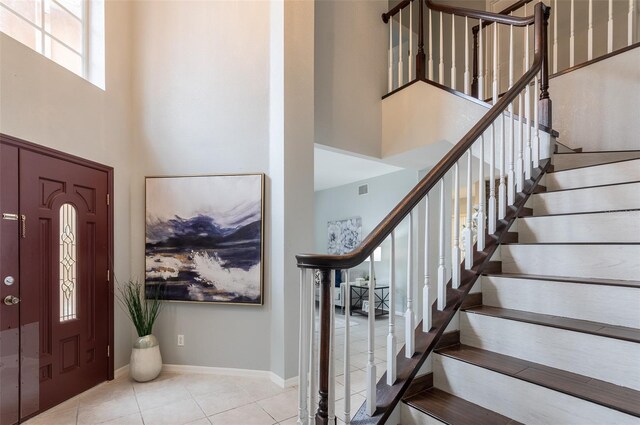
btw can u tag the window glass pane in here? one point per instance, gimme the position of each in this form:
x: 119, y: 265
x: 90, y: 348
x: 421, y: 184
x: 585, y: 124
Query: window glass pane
x: 73, y: 6
x: 68, y: 262
x: 19, y: 29
x: 63, y: 56
x: 63, y: 25
x: 28, y: 9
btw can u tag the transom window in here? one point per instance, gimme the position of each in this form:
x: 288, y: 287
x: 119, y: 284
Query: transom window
x: 59, y: 30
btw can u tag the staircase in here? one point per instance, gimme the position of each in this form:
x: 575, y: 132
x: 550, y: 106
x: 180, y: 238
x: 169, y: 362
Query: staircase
x: 555, y: 335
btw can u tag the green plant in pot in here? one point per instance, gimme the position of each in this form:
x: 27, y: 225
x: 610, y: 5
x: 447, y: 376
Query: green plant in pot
x: 146, y: 361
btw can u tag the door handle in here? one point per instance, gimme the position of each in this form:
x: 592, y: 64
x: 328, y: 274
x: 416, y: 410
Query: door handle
x: 11, y: 300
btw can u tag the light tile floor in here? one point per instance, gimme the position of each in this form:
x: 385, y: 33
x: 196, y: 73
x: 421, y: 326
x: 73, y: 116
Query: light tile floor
x: 212, y: 399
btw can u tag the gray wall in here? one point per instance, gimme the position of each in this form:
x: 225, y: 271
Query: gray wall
x: 208, y: 103
x: 350, y: 74
x: 344, y: 202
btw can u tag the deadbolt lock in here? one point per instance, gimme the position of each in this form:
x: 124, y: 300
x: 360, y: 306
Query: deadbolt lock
x: 11, y: 300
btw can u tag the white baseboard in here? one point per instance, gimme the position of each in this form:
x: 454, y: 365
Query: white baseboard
x: 208, y: 370
x: 124, y: 370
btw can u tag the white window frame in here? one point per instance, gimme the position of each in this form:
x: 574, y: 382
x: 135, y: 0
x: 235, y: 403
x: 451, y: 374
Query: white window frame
x: 84, y: 20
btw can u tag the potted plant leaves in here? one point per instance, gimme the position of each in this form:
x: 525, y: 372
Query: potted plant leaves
x: 146, y: 362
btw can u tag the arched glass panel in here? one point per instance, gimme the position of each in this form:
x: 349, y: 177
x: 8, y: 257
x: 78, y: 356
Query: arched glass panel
x: 68, y: 262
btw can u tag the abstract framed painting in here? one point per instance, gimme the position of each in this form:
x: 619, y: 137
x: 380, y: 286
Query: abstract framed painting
x: 204, y: 238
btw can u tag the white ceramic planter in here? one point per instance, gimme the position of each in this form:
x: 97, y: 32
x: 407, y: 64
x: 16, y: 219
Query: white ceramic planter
x: 146, y: 361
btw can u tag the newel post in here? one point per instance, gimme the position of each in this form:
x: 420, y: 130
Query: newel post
x: 474, y: 81
x: 421, y: 58
x: 545, y: 101
x: 322, y: 415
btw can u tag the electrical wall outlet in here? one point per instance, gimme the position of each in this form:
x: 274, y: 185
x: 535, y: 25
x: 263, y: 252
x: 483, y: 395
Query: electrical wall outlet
x: 180, y: 340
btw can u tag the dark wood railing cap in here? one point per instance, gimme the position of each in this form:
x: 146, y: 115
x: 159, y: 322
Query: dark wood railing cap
x: 394, y: 10
x: 480, y: 14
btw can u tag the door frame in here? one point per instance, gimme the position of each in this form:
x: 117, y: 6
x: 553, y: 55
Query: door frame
x: 43, y: 150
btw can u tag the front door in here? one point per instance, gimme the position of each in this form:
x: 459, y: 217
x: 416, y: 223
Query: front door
x: 63, y: 278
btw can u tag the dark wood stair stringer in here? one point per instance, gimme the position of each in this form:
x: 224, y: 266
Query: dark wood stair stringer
x: 387, y: 396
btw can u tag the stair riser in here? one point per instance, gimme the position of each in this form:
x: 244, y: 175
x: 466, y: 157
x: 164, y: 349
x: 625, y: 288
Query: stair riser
x: 519, y: 400
x: 622, y: 226
x: 607, y: 359
x: 605, y: 198
x: 565, y: 161
x: 619, y: 172
x: 598, y: 303
x: 411, y: 416
x: 588, y: 261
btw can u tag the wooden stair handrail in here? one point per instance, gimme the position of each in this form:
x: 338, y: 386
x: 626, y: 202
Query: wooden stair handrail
x: 411, y: 200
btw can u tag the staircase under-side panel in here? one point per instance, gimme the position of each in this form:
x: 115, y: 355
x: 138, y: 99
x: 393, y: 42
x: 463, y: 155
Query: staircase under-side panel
x: 556, y: 339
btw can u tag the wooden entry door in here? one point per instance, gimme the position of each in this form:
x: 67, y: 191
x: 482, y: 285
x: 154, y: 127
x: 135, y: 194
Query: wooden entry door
x: 65, y: 308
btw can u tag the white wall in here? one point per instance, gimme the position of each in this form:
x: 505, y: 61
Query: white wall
x: 210, y: 96
x: 44, y: 103
x: 596, y: 107
x: 350, y: 74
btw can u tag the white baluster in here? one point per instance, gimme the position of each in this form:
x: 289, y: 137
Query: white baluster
x: 527, y: 134
x: 590, y: 32
x: 410, y: 42
x: 555, y: 37
x: 331, y: 411
x: 371, y: 366
x: 442, y: 270
x: 480, y: 64
x: 426, y: 300
x: 536, y: 127
x: 520, y: 164
x: 441, y: 67
x: 409, y: 318
x: 467, y: 79
x: 502, y: 187
x: 468, y: 231
x: 492, y: 182
x: 630, y: 27
x: 313, y: 360
x: 347, y: 350
x: 511, y: 194
x: 390, y: 84
x: 430, y: 47
x: 303, y: 354
x: 391, y: 338
x: 525, y: 44
x: 455, y: 250
x: 400, y: 68
x: 453, y: 52
x: 610, y: 28
x: 495, y: 92
x: 481, y: 201
x: 572, y: 38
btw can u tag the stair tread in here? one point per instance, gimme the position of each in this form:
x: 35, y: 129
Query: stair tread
x: 584, y: 280
x: 454, y: 410
x: 576, y: 325
x: 605, y: 164
x: 596, y: 186
x: 594, y: 390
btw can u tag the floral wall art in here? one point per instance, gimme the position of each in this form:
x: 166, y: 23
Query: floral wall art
x: 204, y: 238
x: 344, y: 235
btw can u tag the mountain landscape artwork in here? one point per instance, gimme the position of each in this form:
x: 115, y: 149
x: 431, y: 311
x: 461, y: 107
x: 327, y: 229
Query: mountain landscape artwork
x: 204, y: 238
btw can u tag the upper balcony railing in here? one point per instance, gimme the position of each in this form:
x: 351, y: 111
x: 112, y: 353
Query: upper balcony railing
x: 508, y: 149
x: 425, y: 44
